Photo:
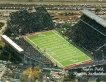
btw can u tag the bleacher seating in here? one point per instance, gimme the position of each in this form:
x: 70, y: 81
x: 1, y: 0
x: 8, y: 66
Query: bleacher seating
x: 89, y: 35
x: 34, y: 54
x: 23, y: 22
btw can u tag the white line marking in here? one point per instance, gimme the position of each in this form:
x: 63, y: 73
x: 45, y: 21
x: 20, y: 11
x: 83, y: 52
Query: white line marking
x: 55, y: 59
x: 72, y: 45
x: 45, y: 52
x: 64, y: 45
x: 31, y: 41
x: 59, y: 36
x: 74, y: 58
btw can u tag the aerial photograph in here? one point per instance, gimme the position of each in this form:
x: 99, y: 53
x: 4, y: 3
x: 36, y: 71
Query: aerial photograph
x: 52, y: 40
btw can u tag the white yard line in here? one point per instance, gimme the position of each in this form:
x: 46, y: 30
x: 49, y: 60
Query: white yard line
x: 69, y: 57
x: 40, y: 38
x: 72, y: 45
x: 31, y: 41
x: 55, y: 60
x: 46, y: 52
x: 49, y: 49
x: 61, y: 60
x: 53, y: 52
x: 34, y: 43
x: 65, y: 52
x: 59, y: 35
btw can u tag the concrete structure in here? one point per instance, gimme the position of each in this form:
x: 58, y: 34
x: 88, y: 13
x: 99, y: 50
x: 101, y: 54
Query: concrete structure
x: 12, y: 44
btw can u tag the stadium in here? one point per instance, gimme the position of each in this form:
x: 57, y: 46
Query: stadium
x: 56, y: 48
x: 49, y: 48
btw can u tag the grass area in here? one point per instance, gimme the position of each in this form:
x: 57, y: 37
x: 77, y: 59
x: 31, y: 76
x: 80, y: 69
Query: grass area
x: 56, y: 48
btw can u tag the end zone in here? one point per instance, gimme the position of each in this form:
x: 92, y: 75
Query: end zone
x: 83, y: 62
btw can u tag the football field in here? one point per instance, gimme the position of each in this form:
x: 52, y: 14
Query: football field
x: 56, y: 48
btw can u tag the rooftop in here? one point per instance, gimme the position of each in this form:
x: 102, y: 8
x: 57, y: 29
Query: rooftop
x: 94, y: 17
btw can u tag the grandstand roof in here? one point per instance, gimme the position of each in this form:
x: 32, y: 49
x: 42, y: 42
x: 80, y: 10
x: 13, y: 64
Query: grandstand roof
x: 12, y: 43
x: 94, y: 17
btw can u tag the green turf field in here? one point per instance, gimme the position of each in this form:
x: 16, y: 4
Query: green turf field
x: 56, y: 48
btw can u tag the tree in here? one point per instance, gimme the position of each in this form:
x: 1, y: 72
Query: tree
x: 1, y: 54
x: 30, y: 74
x: 66, y: 25
x: 1, y: 45
x: 98, y: 80
x: 10, y: 56
x: 97, y: 9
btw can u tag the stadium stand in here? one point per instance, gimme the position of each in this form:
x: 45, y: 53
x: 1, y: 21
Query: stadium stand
x: 34, y: 55
x: 29, y: 22
x: 89, y: 33
x: 31, y: 55
x: 94, y: 17
x: 22, y: 22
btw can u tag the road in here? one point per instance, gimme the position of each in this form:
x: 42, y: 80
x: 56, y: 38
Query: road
x: 2, y: 73
x: 51, y: 2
